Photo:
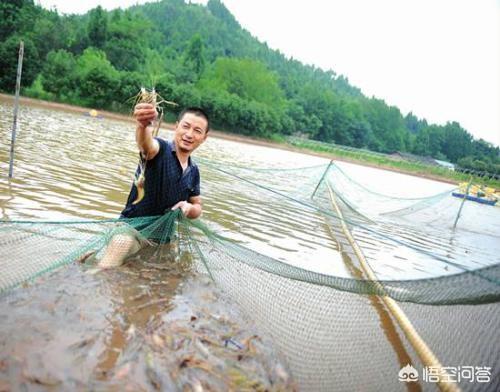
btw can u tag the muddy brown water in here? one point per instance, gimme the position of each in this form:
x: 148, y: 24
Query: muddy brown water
x: 157, y: 324
x: 153, y: 324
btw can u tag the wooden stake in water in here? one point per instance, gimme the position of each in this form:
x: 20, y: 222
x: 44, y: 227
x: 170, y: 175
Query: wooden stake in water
x: 322, y: 178
x: 462, y: 204
x: 16, y: 106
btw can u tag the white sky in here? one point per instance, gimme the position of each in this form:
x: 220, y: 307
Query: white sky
x: 439, y: 59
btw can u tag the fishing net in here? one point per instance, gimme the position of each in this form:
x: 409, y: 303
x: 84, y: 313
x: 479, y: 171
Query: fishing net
x: 404, y: 285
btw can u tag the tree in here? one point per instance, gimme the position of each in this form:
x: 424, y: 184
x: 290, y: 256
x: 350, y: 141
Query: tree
x: 413, y: 124
x: 58, y: 73
x: 97, y: 27
x: 51, y: 33
x: 155, y: 68
x: 457, y: 142
x: 194, y: 59
x: 245, y: 78
x: 9, y: 13
x: 98, y: 81
x: 217, y: 8
x: 482, y: 149
x: 129, y: 37
x: 78, y: 39
x: 429, y: 141
x: 9, y: 53
x: 387, y: 125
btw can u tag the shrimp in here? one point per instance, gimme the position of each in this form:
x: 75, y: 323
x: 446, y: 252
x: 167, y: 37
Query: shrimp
x: 155, y: 99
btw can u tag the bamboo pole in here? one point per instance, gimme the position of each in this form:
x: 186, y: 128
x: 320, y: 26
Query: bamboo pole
x: 322, y: 178
x: 462, y: 203
x: 16, y: 107
x: 427, y: 357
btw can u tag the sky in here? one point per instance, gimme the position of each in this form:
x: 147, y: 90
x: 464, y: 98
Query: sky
x: 439, y: 59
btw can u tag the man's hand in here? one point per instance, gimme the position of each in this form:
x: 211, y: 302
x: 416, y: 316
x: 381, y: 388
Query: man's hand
x: 191, y: 209
x: 184, y: 206
x: 144, y: 114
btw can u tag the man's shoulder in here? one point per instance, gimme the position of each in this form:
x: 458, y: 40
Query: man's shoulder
x: 163, y: 143
x: 193, y: 164
x: 165, y: 147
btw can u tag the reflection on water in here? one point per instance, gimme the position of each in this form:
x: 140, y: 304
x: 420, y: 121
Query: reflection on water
x: 69, y: 166
x: 66, y: 166
x: 124, y: 327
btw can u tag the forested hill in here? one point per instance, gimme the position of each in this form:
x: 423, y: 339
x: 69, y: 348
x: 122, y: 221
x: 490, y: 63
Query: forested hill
x: 200, y: 56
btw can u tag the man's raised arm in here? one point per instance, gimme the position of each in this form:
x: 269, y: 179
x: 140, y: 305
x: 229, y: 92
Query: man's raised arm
x: 145, y: 114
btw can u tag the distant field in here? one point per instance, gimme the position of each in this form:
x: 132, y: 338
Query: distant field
x: 386, y: 161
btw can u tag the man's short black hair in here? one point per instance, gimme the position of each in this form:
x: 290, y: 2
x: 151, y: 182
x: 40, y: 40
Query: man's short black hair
x: 197, y: 112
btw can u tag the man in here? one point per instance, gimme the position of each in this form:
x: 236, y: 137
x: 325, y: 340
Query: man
x: 172, y: 180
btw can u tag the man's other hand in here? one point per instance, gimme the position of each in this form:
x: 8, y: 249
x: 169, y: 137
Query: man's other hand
x: 184, y: 206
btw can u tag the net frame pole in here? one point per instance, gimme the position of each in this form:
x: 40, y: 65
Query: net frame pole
x: 322, y: 178
x: 427, y: 357
x: 16, y: 107
x: 462, y: 204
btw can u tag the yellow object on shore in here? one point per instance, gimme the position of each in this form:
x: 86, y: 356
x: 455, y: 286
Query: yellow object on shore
x: 93, y: 113
x: 479, y: 191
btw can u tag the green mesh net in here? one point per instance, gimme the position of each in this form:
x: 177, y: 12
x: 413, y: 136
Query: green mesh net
x: 313, y: 328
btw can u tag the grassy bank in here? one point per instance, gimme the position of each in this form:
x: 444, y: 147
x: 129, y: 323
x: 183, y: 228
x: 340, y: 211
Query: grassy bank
x: 387, y: 162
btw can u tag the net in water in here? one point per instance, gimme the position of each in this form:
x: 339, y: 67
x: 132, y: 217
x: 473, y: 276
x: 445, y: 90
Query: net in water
x: 334, y: 332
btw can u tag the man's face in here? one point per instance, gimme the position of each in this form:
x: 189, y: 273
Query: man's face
x: 190, y: 132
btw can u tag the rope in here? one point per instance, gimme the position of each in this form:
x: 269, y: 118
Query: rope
x: 263, y: 169
x: 437, y: 195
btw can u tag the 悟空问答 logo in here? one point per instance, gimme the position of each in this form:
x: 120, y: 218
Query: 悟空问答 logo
x: 408, y: 374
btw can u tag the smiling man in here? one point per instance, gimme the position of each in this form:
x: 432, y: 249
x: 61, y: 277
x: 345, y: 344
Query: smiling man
x: 172, y: 180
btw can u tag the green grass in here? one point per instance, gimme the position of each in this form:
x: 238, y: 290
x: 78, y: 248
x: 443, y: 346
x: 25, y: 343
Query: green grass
x: 382, y: 160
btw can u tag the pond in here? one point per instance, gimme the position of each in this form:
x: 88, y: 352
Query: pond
x: 71, y: 166
x: 125, y: 325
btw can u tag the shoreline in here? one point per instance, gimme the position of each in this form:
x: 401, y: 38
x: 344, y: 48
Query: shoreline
x: 223, y: 135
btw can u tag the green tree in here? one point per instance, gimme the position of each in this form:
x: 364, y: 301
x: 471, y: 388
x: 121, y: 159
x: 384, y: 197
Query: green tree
x: 9, y: 14
x: 97, y: 80
x: 52, y: 33
x: 217, y: 8
x: 413, y: 124
x: 457, y: 142
x: 429, y: 141
x: 129, y: 38
x: 387, y: 125
x: 78, y: 40
x: 194, y: 58
x: 9, y: 53
x: 245, y: 78
x: 155, y: 69
x: 97, y: 27
x: 483, y: 149
x: 59, y: 73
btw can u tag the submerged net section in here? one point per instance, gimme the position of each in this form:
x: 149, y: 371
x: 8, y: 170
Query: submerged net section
x: 336, y: 333
x: 439, y: 232
x: 30, y: 249
x: 330, y: 321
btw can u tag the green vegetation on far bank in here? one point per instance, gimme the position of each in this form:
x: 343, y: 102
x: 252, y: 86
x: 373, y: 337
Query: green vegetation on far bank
x: 199, y: 55
x: 333, y: 151
x: 388, y: 162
